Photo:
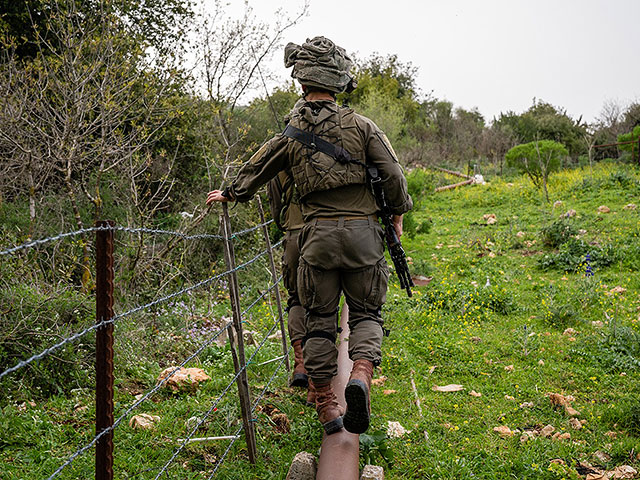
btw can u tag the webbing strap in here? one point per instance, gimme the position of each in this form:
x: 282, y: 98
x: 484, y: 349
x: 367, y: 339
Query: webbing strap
x: 311, y: 140
x: 339, y: 154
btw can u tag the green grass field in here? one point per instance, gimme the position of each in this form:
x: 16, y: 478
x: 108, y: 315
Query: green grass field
x: 515, y: 310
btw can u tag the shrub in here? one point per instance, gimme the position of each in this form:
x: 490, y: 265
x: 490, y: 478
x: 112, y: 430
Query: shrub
x: 558, y: 232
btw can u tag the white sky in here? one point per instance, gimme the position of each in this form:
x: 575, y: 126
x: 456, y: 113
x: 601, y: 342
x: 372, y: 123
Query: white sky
x: 496, y: 55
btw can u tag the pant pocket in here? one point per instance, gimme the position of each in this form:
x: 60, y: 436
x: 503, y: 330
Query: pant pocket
x: 306, y: 286
x: 379, y: 280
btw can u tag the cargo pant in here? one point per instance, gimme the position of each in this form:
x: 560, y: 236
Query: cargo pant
x: 290, y: 261
x: 342, y: 255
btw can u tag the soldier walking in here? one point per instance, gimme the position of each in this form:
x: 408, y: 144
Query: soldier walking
x: 288, y: 217
x: 327, y: 150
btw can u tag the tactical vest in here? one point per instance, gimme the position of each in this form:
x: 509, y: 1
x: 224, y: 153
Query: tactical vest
x: 315, y: 171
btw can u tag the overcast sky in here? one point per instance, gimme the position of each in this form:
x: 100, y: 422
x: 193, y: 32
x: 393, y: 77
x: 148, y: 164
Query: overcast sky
x: 496, y: 55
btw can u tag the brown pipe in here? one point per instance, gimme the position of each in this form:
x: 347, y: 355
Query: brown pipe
x: 340, y: 452
x: 455, y: 185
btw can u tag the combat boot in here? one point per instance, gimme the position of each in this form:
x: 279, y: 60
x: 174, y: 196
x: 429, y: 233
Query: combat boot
x: 311, y: 395
x: 299, y: 377
x: 329, y: 411
x: 356, y: 393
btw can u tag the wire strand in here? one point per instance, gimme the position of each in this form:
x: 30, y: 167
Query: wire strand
x: 68, y: 340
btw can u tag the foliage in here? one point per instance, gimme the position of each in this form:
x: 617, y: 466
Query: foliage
x: 632, y: 136
x: 537, y: 159
x: 558, y: 232
x: 573, y: 253
x: 374, y: 445
x: 543, y: 121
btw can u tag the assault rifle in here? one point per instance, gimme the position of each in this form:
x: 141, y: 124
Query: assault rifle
x: 339, y: 154
x: 396, y: 252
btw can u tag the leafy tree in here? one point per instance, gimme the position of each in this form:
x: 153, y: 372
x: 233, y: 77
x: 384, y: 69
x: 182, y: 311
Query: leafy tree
x: 537, y: 159
x: 632, y: 136
x: 543, y: 121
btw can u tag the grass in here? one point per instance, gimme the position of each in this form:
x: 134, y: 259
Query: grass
x: 492, y: 320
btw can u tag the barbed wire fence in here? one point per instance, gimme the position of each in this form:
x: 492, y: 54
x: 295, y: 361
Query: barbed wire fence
x: 104, y: 328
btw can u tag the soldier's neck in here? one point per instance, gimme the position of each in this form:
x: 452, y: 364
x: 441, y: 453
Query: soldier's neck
x: 317, y: 96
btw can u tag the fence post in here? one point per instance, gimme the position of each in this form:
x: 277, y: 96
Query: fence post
x: 239, y: 361
x: 104, y: 350
x: 274, y: 276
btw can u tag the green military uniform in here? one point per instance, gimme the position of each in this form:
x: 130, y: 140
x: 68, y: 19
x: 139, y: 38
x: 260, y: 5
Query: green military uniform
x: 341, y: 243
x: 288, y: 217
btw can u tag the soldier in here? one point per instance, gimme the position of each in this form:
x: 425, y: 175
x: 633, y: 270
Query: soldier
x: 288, y: 217
x: 327, y: 150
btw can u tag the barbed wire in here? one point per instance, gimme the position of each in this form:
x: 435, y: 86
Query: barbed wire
x: 82, y: 231
x: 42, y: 241
x: 216, y: 402
x: 160, y: 384
x: 138, y: 402
x: 255, y: 405
x: 68, y: 340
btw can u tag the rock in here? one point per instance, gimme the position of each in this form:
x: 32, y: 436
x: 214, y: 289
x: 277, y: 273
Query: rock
x: 395, y: 430
x: 490, y: 218
x: 547, y: 431
x: 526, y: 405
x: 509, y: 368
x: 624, y: 471
x: 615, y: 290
x: 183, y: 378
x: 569, y: 331
x: 520, y: 234
x: 473, y: 393
x: 144, y: 421
x: 276, y: 337
x: 249, y: 337
x: 603, y: 209
x: 528, y: 434
x: 561, y: 436
x: 597, y: 323
x: 575, y: 424
x: 421, y: 280
x: 303, y: 467
x: 503, y: 431
x: 630, y: 206
x: 372, y: 472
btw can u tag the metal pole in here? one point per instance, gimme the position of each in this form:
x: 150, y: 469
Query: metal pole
x: 239, y: 361
x: 274, y: 276
x: 104, y: 350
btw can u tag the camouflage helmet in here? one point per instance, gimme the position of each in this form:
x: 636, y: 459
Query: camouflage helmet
x: 320, y: 63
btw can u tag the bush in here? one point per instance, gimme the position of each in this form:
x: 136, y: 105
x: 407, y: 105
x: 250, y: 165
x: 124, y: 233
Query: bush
x: 558, y: 233
x: 572, y: 257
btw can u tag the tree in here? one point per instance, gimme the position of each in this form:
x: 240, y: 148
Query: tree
x: 543, y: 121
x: 632, y: 136
x: 537, y: 159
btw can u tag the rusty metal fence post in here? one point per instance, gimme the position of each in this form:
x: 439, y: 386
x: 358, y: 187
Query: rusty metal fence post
x: 104, y: 350
x: 239, y: 361
x: 274, y: 276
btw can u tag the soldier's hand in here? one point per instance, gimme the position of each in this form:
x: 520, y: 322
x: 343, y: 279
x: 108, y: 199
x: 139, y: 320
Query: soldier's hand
x: 216, y: 196
x: 397, y: 224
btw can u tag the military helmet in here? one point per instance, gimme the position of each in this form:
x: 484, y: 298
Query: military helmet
x: 320, y: 63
